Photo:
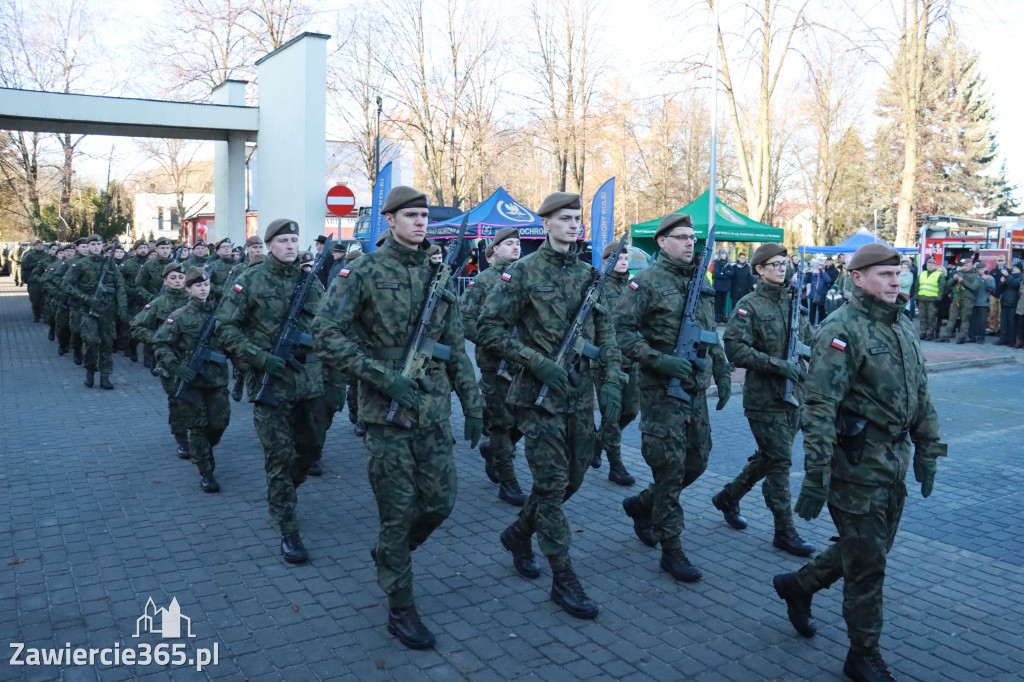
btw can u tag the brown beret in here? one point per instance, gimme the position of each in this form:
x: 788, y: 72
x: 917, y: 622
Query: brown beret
x: 433, y: 250
x: 609, y: 249
x: 559, y: 200
x: 256, y: 259
x: 383, y: 237
x: 163, y: 241
x: 140, y: 242
x: 174, y: 267
x: 766, y: 251
x: 489, y: 251
x: 253, y: 240
x: 279, y: 227
x: 671, y: 221
x: 505, y: 233
x: 93, y: 238
x: 352, y: 255
x: 194, y: 275
x: 221, y: 242
x: 873, y: 254
x: 80, y: 241
x: 304, y: 257
x: 403, y: 197
x: 199, y: 242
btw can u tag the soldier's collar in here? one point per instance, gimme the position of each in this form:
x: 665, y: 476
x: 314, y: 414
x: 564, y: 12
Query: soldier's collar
x: 876, y: 308
x: 675, y: 266
x: 403, y: 254
x: 552, y: 254
x: 618, y: 276
x: 771, y: 291
x: 279, y: 268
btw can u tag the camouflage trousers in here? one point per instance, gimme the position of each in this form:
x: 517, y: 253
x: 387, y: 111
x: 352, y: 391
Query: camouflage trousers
x: 353, y: 401
x: 609, y: 436
x: 961, y: 313
x: 675, y: 442
x: 98, y: 334
x: 501, y: 422
x: 928, y: 312
x: 208, y: 418
x: 177, y: 414
x: 867, y: 518
x: 75, y: 322
x: 774, y: 433
x: 36, y: 298
x: 292, y: 435
x: 559, y: 448
x: 412, y: 474
x: 62, y: 322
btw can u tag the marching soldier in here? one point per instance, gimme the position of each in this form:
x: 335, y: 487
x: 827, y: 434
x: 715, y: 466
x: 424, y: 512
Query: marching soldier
x: 866, y: 400
x: 219, y: 268
x: 53, y: 269
x: 291, y: 432
x: 675, y: 435
x: 364, y: 326
x: 200, y: 255
x: 253, y: 256
x: 499, y: 451
x: 75, y: 313
x: 756, y: 338
x: 148, y: 283
x: 133, y: 265
x: 37, y: 252
x: 35, y: 283
x: 538, y: 297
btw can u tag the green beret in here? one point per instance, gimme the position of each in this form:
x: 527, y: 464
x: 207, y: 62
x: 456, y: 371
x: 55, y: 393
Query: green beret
x: 559, y: 200
x: 140, y: 242
x: 489, y: 251
x: 609, y: 249
x: 383, y: 237
x: 222, y: 241
x: 93, y: 238
x: 873, y: 254
x: 253, y: 240
x: 163, y: 241
x: 174, y: 267
x: 767, y: 251
x: 194, y: 275
x: 304, y: 257
x: 433, y: 250
x: 352, y: 255
x: 672, y: 221
x: 199, y: 242
x: 80, y: 241
x: 403, y: 197
x: 279, y: 227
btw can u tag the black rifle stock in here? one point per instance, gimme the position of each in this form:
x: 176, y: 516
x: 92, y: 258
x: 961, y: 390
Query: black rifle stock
x: 100, y: 288
x: 201, y: 354
x: 692, y: 339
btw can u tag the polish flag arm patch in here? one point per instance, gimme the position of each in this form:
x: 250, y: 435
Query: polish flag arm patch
x: 839, y: 344
x: 237, y: 287
x: 634, y: 286
x: 170, y: 320
x: 147, y: 306
x: 741, y: 312
x: 506, y: 276
x: 343, y: 272
x: 470, y: 283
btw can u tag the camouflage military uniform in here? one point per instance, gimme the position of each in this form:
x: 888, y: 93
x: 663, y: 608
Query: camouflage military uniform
x: 292, y: 433
x: 38, y: 283
x: 538, y: 297
x: 362, y: 328
x: 50, y: 303
x: 962, y: 306
x: 144, y: 326
x: 609, y: 436
x: 150, y: 278
x: 107, y: 299
x: 29, y: 261
x: 197, y: 262
x: 865, y: 362
x: 209, y: 413
x: 219, y: 269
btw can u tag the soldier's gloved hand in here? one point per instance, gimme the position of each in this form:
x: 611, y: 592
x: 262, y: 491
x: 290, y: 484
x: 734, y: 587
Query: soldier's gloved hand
x: 556, y: 378
x: 123, y: 315
x: 185, y: 373
x: 724, y: 386
x: 274, y: 366
x: 609, y: 398
x: 812, y: 499
x: 924, y: 473
x: 402, y: 389
x: 669, y: 365
x: 474, y: 429
x: 790, y: 370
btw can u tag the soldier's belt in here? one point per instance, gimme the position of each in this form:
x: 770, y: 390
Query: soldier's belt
x: 877, y: 434
x: 393, y: 353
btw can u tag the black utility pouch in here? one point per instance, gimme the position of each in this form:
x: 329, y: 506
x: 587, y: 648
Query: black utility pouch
x: 852, y: 433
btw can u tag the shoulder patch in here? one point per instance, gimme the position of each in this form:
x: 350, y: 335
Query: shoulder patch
x: 237, y: 287
x: 343, y: 272
x: 633, y: 285
x: 741, y: 312
x: 506, y: 276
x: 170, y: 320
x: 839, y: 344
x: 470, y: 283
x: 146, y: 307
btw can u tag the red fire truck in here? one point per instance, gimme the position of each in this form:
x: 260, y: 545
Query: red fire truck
x: 952, y: 238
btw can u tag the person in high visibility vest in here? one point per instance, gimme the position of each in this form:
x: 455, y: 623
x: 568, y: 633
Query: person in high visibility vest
x: 929, y: 292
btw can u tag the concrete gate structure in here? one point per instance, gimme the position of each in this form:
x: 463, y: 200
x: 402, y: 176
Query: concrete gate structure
x: 289, y: 126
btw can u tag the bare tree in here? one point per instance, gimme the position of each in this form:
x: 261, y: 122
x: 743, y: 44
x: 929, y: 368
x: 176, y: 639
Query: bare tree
x: 272, y: 23
x: 177, y: 160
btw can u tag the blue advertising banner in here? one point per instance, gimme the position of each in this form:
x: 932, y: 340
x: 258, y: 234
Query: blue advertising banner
x: 602, y: 221
x: 380, y: 191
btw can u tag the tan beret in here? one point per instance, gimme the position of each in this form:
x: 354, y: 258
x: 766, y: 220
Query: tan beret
x: 163, y: 241
x: 403, y: 197
x: 505, y: 233
x: 279, y: 227
x: 253, y: 240
x: 609, y: 249
x: 352, y: 255
x: 672, y: 221
x: 199, y: 242
x: 767, y: 251
x: 221, y: 242
x: 433, y: 250
x: 140, y: 242
x: 194, y: 275
x: 93, y: 238
x: 174, y: 267
x: 304, y: 257
x: 559, y: 200
x: 873, y: 254
x: 383, y: 237
x: 80, y: 241
x: 489, y: 251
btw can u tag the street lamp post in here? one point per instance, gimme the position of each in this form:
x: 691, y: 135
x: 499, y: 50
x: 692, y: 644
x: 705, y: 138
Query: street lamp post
x: 376, y: 162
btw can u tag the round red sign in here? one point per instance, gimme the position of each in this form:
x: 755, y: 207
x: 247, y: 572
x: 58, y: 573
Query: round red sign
x: 340, y: 200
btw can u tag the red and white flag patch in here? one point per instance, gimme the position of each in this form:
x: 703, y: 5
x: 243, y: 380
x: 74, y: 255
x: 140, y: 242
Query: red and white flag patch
x: 170, y: 320
x: 147, y: 306
x: 839, y: 344
x: 343, y: 272
x: 634, y: 286
x: 470, y: 283
x: 741, y: 312
x: 237, y: 287
x: 505, y: 276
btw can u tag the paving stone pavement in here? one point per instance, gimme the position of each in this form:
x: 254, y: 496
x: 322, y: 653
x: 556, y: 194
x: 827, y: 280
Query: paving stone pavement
x: 97, y: 515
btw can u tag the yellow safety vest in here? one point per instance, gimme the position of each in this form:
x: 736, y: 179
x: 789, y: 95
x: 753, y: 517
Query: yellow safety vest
x: 928, y: 285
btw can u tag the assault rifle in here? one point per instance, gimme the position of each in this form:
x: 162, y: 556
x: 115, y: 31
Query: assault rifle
x: 201, y: 354
x: 795, y: 349
x: 692, y: 340
x: 573, y: 347
x: 503, y: 365
x: 108, y: 262
x: 422, y: 348
x: 290, y: 338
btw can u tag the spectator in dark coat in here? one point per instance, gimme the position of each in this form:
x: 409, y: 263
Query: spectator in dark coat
x: 1008, y: 291
x: 818, y: 283
x: 742, y: 278
x: 831, y: 269
x: 722, y: 274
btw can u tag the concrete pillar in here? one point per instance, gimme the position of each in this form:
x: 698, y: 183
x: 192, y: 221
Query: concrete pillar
x: 229, y: 170
x: 292, y: 137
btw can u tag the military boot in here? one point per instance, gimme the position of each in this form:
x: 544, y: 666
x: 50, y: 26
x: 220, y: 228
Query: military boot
x: 522, y: 552
x: 208, y: 483
x: 512, y: 493
x: 236, y: 390
x: 105, y: 382
x: 52, y: 334
x: 641, y: 520
x: 567, y: 592
x: 183, y: 451
x: 866, y: 668
x: 489, y: 469
x: 788, y: 541
x: 405, y: 624
x: 90, y: 375
x: 292, y: 549
x: 798, y: 603
x: 63, y: 350
x: 675, y: 563
x: 133, y: 352
x: 730, y: 509
x: 78, y: 356
x: 942, y: 339
x: 596, y: 461
x: 315, y: 469
x: 617, y: 474
x: 359, y: 429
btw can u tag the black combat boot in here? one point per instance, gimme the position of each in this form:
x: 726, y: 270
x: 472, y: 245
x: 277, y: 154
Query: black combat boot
x: 788, y: 541
x: 512, y: 493
x: 183, y: 451
x: 147, y: 363
x: 133, y: 352
x: 798, y: 603
x: 730, y: 509
x: 236, y: 390
x: 78, y: 356
x: 866, y: 668
x: 105, y: 382
x: 63, y: 350
x: 618, y: 474
x: 52, y: 334
x: 315, y: 469
x: 292, y: 548
x: 90, y: 375
x: 359, y: 429
x: 641, y: 520
x: 485, y: 452
x: 596, y: 461
x: 522, y: 552
x: 208, y: 483
x: 942, y: 339
x: 405, y: 624
x: 567, y: 592
x: 675, y: 563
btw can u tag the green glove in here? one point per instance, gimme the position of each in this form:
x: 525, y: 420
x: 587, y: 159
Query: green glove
x: 273, y: 365
x: 812, y: 499
x: 924, y: 473
x: 474, y: 429
x: 790, y: 370
x: 724, y: 392
x: 609, y: 399
x: 556, y: 378
x: 680, y: 368
x: 403, y: 389
x: 185, y: 374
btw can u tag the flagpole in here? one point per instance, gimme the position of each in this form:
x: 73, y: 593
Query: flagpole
x: 712, y: 203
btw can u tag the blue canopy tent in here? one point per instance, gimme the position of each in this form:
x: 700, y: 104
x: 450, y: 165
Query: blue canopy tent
x: 497, y: 211
x: 855, y: 241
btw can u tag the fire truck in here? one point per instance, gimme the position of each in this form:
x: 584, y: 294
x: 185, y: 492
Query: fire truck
x: 952, y: 238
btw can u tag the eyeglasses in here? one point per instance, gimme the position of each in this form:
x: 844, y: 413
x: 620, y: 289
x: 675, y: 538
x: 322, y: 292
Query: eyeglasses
x: 778, y: 265
x: 683, y: 237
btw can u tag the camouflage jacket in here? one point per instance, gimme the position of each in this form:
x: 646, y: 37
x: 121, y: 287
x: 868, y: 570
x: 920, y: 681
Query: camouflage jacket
x: 366, y: 322
x: 238, y: 268
x: 219, y: 269
x: 472, y: 304
x: 174, y: 341
x: 29, y: 261
x: 82, y: 282
x: 757, y: 339
x: 648, y: 318
x: 151, y: 278
x: 41, y: 266
x: 196, y: 262
x: 132, y: 267
x: 614, y: 289
x: 538, y: 297
x: 250, y: 318
x: 965, y: 290
x: 155, y: 313
x: 866, y: 362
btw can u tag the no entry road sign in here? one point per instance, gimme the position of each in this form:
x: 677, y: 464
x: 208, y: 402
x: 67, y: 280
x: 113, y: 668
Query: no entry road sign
x: 340, y: 200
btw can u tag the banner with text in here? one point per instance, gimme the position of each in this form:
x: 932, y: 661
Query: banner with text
x: 380, y: 191
x: 602, y: 221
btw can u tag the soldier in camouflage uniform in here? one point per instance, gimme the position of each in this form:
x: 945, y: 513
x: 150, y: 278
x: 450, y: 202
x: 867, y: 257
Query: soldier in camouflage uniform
x: 37, y: 252
x: 965, y: 285
x: 363, y: 327
x: 291, y: 432
x: 210, y: 410
x: 200, y: 256
x: 609, y: 436
x: 42, y: 264
x: 756, y: 338
x: 538, y: 298
x: 75, y: 311
x: 102, y: 304
x: 49, y: 287
x: 219, y: 268
x: 499, y: 451
x: 866, y: 400
x: 133, y: 265
x: 253, y: 249
x: 144, y: 326
x: 149, y: 282
x: 675, y: 435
